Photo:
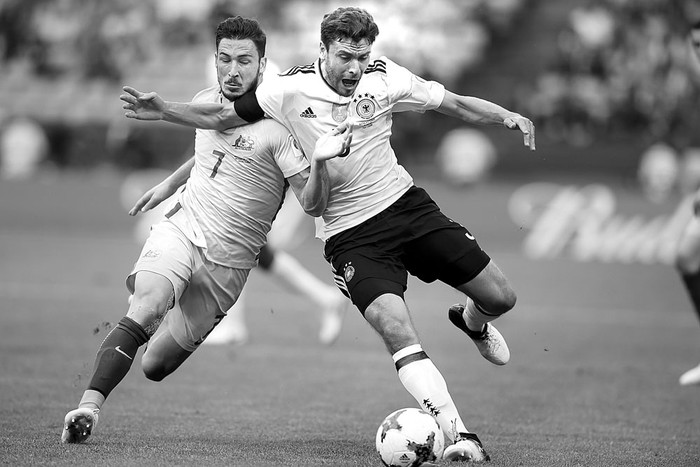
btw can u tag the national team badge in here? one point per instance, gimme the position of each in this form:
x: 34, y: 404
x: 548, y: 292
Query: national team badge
x: 244, y: 143
x: 339, y: 112
x: 349, y: 272
x: 366, y: 106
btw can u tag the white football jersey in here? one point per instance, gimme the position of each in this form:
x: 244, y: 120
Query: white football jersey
x: 370, y: 178
x: 236, y: 187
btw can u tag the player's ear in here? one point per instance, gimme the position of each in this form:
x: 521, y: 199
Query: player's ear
x: 322, y: 51
x: 263, y: 65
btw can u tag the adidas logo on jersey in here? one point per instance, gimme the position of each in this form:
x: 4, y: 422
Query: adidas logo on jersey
x: 308, y: 113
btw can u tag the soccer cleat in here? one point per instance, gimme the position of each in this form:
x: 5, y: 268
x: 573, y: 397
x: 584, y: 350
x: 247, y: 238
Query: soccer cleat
x: 79, y: 424
x: 332, y: 320
x: 489, y: 341
x: 466, y: 448
x: 690, y: 377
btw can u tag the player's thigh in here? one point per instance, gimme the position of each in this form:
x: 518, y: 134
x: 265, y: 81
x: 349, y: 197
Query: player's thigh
x: 490, y: 289
x: 688, y: 253
x: 163, y: 269
x: 366, y: 272
x: 212, y: 291
x: 450, y: 254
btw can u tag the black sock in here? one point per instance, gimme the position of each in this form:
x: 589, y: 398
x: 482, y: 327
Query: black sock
x: 116, y: 354
x: 692, y: 285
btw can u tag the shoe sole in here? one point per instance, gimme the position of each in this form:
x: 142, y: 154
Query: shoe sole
x: 78, y: 429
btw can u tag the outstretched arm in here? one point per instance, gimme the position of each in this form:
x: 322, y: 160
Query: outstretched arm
x: 150, y: 106
x: 312, y: 186
x: 164, y: 189
x: 482, y: 112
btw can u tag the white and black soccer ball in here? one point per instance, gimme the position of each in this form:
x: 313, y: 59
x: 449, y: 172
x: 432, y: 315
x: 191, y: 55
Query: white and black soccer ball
x: 409, y: 437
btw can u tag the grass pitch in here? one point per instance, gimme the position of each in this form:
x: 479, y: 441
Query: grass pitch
x: 597, y: 351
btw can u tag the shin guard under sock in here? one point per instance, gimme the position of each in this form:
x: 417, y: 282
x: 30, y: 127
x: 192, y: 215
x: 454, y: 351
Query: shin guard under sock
x: 116, y: 354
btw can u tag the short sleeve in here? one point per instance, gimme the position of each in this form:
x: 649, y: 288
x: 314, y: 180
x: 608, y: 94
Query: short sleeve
x: 270, y: 98
x: 409, y: 92
x: 289, y: 155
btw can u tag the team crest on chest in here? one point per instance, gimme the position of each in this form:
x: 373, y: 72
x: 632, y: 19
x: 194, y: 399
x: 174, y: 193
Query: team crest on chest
x: 365, y: 105
x: 339, y: 112
x: 244, y: 143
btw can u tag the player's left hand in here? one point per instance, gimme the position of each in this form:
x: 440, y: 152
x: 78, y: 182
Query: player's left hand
x: 517, y: 121
x: 152, y: 198
x: 335, y: 143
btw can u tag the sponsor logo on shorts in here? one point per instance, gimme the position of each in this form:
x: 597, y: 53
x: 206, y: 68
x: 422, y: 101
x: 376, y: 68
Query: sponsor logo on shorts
x: 349, y: 272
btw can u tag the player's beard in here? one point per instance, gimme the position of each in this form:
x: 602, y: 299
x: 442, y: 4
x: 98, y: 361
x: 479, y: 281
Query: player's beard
x: 232, y: 96
x: 336, y: 82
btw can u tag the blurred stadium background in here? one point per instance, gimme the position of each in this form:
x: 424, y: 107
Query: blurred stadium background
x: 585, y: 228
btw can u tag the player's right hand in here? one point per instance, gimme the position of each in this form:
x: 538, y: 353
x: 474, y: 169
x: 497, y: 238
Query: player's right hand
x: 142, y: 105
x: 335, y: 143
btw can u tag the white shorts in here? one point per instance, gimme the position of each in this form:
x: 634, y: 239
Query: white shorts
x: 204, y: 291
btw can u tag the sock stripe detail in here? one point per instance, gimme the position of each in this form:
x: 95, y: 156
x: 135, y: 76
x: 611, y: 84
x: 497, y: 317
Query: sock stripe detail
x: 414, y: 357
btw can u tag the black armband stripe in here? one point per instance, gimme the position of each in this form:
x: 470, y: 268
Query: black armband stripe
x: 247, y: 107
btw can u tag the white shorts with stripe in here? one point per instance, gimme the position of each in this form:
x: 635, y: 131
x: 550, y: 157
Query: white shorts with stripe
x: 204, y: 291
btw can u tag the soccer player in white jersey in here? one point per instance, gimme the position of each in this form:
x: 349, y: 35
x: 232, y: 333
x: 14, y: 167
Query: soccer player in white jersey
x: 378, y: 226
x: 688, y: 255
x: 195, y: 262
x: 274, y: 261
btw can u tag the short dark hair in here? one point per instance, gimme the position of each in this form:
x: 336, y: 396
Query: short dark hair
x: 238, y: 28
x: 348, y: 22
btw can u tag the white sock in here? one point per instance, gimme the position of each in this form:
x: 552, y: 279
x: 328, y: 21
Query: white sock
x: 425, y: 383
x: 92, y: 399
x: 475, y: 317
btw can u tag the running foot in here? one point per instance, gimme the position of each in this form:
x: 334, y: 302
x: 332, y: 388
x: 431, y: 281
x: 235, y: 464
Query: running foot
x: 78, y: 425
x: 332, y: 320
x: 489, y: 341
x: 690, y: 377
x: 466, y: 448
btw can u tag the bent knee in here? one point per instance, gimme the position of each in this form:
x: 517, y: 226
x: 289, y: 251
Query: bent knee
x: 154, y: 369
x: 501, y: 303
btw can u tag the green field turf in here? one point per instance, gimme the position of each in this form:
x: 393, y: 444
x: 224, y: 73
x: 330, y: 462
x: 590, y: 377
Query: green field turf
x: 596, y: 354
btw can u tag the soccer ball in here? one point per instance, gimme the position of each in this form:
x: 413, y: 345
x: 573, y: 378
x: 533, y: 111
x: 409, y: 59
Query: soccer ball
x: 409, y: 437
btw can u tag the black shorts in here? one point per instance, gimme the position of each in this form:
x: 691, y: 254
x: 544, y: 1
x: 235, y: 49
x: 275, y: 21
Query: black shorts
x: 410, y: 236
